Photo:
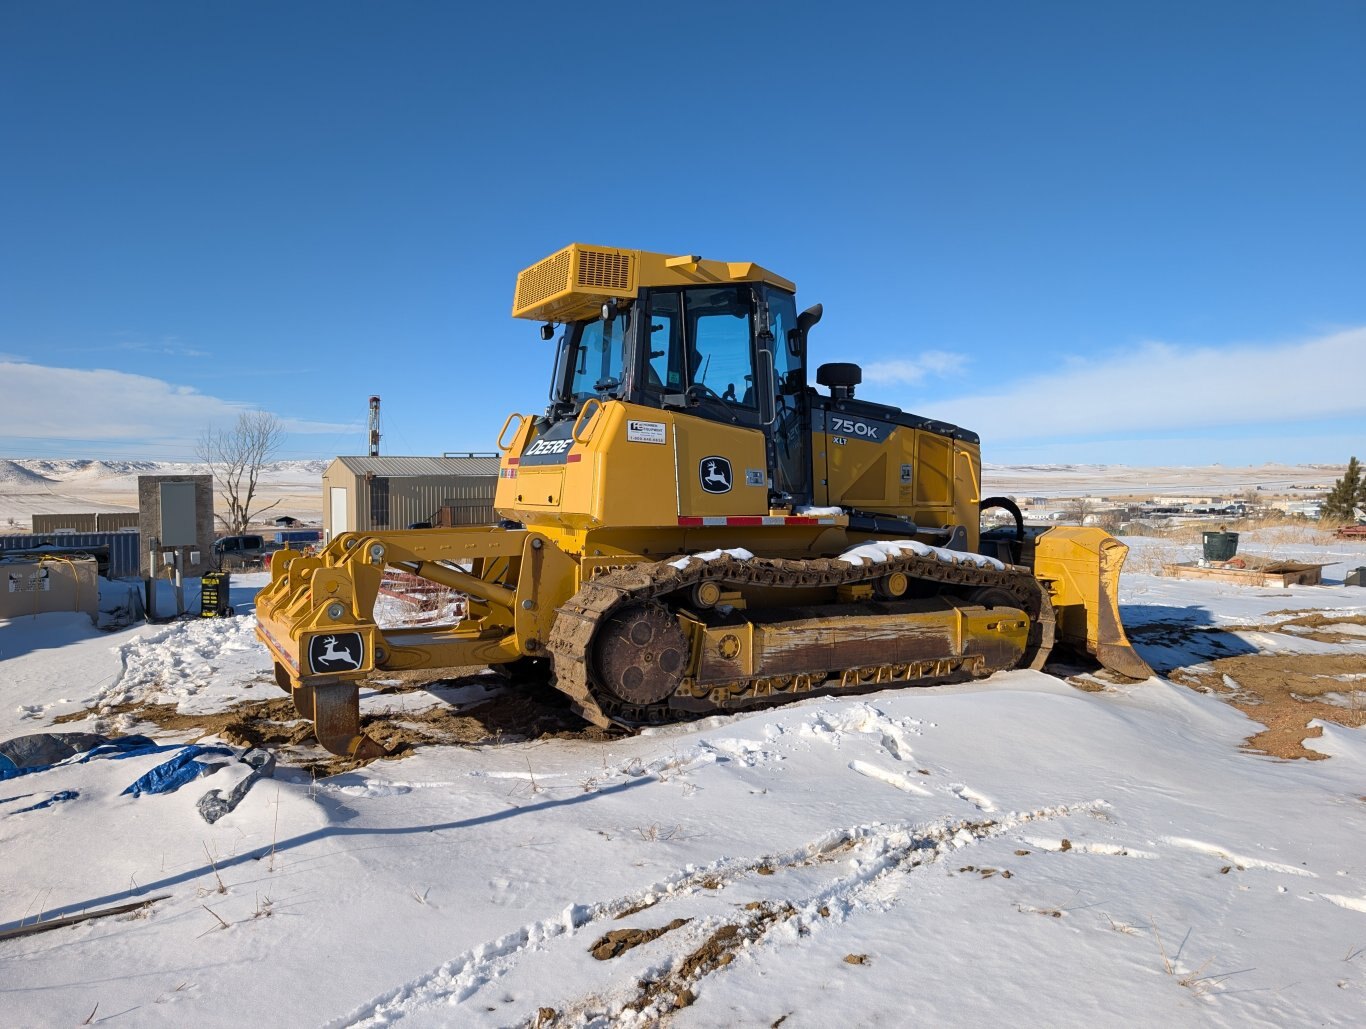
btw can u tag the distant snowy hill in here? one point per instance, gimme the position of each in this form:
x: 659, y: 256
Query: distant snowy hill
x: 19, y: 474
x: 31, y: 486
x: 46, y: 471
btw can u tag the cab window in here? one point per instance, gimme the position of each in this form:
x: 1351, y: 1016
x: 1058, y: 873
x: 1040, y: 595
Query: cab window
x: 664, y: 361
x: 596, y: 357
x: 720, y: 358
x: 700, y: 342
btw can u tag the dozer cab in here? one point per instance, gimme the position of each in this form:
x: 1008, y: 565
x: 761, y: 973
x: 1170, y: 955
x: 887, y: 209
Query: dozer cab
x: 692, y: 527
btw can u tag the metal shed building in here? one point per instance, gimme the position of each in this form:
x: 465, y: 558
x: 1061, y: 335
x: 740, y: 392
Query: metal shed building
x: 364, y: 493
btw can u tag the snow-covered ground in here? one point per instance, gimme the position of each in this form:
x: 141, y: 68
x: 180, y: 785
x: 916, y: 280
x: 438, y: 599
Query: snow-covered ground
x: 1062, y: 480
x: 1016, y: 850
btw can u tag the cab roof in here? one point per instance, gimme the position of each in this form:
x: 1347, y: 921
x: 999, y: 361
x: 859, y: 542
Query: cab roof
x: 572, y: 284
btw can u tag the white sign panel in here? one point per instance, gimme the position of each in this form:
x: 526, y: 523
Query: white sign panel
x: 646, y: 432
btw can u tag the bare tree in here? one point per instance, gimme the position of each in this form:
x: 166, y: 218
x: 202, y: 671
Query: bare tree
x: 1078, y: 509
x: 235, y: 457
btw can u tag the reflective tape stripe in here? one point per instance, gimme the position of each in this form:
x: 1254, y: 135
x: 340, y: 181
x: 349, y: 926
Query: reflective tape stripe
x: 754, y: 520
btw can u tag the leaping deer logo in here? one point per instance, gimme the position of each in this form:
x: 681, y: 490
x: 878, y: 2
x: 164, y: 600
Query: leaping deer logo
x: 331, y: 655
x: 715, y: 475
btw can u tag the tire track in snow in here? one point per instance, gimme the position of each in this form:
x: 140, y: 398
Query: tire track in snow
x: 875, y: 852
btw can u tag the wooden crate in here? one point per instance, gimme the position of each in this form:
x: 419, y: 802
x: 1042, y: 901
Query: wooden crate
x: 1251, y: 571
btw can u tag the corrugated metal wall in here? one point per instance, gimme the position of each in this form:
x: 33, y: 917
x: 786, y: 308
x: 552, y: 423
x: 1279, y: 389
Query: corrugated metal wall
x: 66, y: 522
x: 109, y: 522
x: 418, y: 498
x: 105, y: 521
x: 121, y: 550
x: 408, y: 499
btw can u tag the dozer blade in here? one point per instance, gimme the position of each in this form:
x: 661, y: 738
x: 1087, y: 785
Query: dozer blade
x: 1080, y: 568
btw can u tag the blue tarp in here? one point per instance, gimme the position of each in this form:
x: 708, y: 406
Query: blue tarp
x: 28, y: 755
x: 119, y: 747
x: 213, y: 805
x: 56, y: 798
x: 46, y: 748
x: 169, y: 776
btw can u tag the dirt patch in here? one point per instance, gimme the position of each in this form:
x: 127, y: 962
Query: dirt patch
x: 619, y: 941
x: 675, y: 990
x: 517, y: 712
x: 1085, y: 684
x: 636, y: 909
x: 250, y: 724
x: 1278, y: 690
x: 525, y: 711
x: 1319, y: 626
x: 272, y: 723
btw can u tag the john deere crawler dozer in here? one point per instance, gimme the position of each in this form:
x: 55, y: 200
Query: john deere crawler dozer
x: 691, y: 527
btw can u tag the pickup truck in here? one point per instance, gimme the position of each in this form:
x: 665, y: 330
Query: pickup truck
x: 239, y: 551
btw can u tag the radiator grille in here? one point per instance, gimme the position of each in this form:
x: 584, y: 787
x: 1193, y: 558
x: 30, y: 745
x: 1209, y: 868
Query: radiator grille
x: 544, y: 280
x: 606, y: 271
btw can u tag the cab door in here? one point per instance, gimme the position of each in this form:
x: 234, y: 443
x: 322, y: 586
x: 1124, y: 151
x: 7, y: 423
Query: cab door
x: 730, y: 356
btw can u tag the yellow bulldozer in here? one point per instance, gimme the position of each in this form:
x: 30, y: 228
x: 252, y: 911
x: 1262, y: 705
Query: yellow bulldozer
x: 691, y: 527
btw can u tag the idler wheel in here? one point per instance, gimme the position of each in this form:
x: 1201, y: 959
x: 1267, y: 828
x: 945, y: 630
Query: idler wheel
x: 993, y: 596
x: 641, y: 652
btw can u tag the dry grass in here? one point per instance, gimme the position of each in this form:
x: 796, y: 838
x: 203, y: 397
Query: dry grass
x: 1195, y: 981
x: 1151, y: 560
x: 1268, y: 531
x: 1271, y: 537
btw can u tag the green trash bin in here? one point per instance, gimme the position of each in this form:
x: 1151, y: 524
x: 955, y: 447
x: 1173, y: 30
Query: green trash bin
x: 1220, y: 546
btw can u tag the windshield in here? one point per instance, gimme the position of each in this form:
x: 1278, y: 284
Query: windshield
x: 596, y: 357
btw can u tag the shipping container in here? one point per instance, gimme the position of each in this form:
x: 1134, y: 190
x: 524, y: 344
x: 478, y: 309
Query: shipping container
x: 118, y: 553
x: 298, y: 536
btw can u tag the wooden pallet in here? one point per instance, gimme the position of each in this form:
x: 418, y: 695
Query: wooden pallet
x: 1251, y: 571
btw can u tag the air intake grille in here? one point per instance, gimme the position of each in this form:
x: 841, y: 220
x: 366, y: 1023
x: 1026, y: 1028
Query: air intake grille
x: 606, y: 271
x: 544, y: 280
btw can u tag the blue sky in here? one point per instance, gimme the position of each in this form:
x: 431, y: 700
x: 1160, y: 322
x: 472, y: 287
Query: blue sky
x: 1124, y: 233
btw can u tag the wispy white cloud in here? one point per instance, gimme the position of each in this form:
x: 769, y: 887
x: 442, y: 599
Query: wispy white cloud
x: 912, y: 370
x: 1166, y: 387
x: 166, y: 346
x: 305, y: 427
x: 128, y: 342
x: 100, y: 404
